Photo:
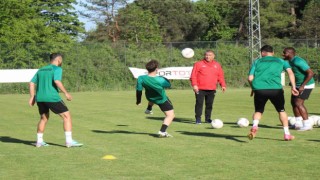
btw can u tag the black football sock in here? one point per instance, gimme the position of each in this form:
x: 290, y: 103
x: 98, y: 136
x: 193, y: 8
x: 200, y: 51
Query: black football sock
x: 163, y: 128
x: 149, y: 107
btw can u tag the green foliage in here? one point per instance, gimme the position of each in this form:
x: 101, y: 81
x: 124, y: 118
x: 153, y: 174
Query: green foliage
x: 138, y: 25
x: 31, y: 30
x: 178, y: 19
x: 104, y: 66
x: 308, y: 25
x: 275, y: 19
x: 208, y: 20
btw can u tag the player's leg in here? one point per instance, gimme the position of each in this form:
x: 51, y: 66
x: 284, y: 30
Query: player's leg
x: 44, y: 117
x: 149, y: 108
x: 296, y: 112
x: 61, y: 109
x: 307, y: 124
x: 278, y: 101
x: 43, y: 122
x: 167, y: 109
x: 199, y: 105
x: 260, y: 100
x: 67, y: 121
x: 209, y: 99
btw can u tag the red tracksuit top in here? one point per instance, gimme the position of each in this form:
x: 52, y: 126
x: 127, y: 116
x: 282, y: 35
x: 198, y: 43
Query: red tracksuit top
x: 206, y: 75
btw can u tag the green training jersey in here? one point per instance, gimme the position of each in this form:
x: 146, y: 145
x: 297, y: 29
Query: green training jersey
x: 46, y: 90
x: 299, y: 68
x: 154, y: 88
x: 267, y: 72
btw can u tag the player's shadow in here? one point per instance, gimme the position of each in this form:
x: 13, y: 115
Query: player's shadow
x: 117, y: 132
x: 270, y: 127
x: 232, y: 125
x: 311, y: 113
x: 214, y: 135
x: 225, y: 136
x: 176, y: 119
x: 122, y: 132
x: 314, y: 140
x: 8, y: 139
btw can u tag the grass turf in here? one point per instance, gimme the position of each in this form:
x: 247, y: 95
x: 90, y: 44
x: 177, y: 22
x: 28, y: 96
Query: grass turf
x: 109, y: 123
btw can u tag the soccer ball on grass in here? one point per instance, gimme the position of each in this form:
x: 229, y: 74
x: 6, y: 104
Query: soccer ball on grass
x: 217, y: 124
x: 243, y: 122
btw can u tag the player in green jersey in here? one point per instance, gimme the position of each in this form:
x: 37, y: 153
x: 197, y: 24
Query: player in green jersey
x: 44, y: 90
x: 304, y: 84
x: 154, y: 90
x: 265, y: 80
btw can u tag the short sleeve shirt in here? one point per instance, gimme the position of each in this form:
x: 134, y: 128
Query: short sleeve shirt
x: 47, y: 91
x: 299, y: 68
x: 154, y: 88
x: 267, y: 72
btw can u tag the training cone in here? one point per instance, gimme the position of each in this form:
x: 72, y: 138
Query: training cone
x: 109, y: 157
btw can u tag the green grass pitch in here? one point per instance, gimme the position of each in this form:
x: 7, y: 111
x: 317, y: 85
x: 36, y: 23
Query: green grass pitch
x: 109, y: 123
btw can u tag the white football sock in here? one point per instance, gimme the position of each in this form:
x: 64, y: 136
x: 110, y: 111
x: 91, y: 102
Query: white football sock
x: 255, y: 122
x: 306, y: 123
x: 39, y: 137
x: 286, y: 130
x: 68, y: 136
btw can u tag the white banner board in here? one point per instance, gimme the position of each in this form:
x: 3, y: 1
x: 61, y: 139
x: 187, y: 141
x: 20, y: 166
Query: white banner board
x: 169, y: 72
x: 16, y: 75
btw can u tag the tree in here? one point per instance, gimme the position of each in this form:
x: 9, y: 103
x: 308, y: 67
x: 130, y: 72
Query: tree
x: 29, y: 30
x: 106, y: 11
x: 275, y: 19
x: 308, y: 25
x: 225, y: 20
x: 138, y: 25
x: 178, y: 19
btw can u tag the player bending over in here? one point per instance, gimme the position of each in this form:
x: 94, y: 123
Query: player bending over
x: 154, y: 90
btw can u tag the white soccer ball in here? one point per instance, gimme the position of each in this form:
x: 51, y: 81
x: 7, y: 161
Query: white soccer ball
x: 292, y: 120
x: 243, y: 122
x: 217, y: 124
x: 187, y: 53
x: 314, y: 119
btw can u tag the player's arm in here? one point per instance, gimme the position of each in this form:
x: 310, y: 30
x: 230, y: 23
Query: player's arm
x: 63, y: 89
x: 139, y: 89
x: 309, y: 76
x: 292, y: 81
x: 193, y: 79
x: 138, y: 97
x: 32, y: 93
x: 250, y: 79
x: 221, y: 80
x: 251, y: 75
x: 166, y: 83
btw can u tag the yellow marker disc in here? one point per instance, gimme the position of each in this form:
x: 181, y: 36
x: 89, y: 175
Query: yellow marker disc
x: 109, y: 157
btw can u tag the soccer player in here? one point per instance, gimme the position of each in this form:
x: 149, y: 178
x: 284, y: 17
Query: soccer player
x: 265, y: 80
x: 205, y: 76
x: 154, y: 90
x: 44, y: 90
x: 304, y: 84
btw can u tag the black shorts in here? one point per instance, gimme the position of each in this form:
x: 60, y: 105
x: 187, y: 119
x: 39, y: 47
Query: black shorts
x: 303, y: 95
x: 276, y: 96
x: 56, y: 107
x: 166, y: 106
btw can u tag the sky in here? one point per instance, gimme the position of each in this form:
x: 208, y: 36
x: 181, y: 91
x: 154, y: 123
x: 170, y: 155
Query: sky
x: 89, y: 24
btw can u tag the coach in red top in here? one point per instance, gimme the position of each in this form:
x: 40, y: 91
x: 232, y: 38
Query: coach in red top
x: 205, y: 76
